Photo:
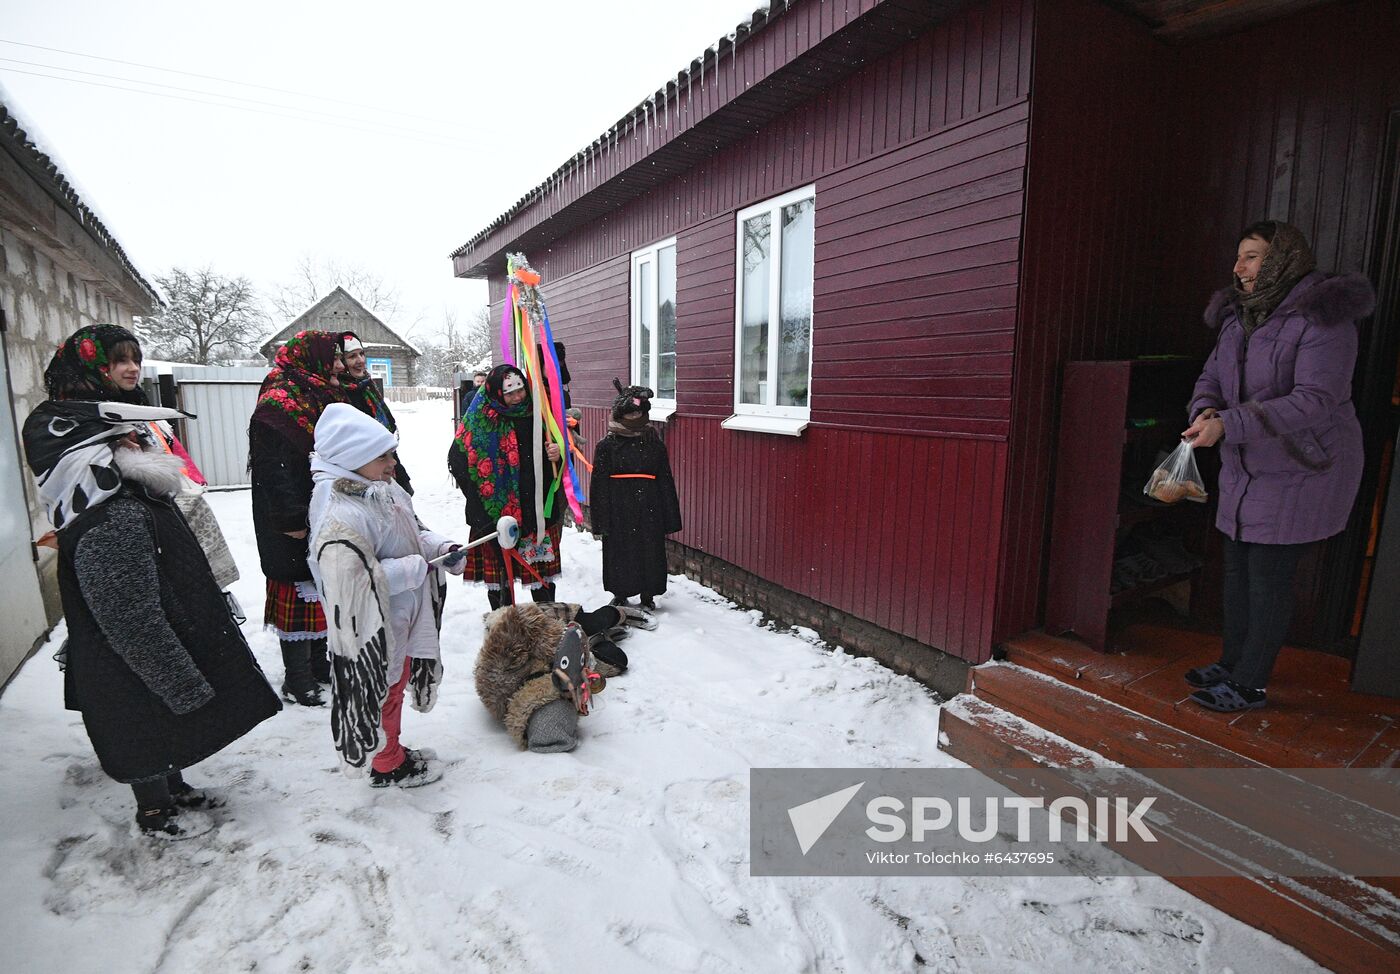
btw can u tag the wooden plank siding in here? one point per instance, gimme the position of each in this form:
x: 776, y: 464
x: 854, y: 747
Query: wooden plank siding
x: 1087, y: 275
x: 889, y: 505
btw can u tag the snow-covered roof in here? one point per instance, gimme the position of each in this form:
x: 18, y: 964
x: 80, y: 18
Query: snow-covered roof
x: 647, y: 109
x: 308, y: 320
x: 20, y: 136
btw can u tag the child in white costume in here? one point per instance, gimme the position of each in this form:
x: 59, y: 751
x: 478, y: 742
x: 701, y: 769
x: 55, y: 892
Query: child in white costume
x: 383, y: 601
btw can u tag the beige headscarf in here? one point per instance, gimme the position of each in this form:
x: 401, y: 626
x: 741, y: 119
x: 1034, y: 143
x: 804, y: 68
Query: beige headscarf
x: 1288, y: 261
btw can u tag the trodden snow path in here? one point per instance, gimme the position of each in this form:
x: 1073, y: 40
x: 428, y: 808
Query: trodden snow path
x: 629, y: 854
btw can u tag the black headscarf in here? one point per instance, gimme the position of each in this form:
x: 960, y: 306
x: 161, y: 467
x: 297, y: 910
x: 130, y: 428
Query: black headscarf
x: 78, y: 369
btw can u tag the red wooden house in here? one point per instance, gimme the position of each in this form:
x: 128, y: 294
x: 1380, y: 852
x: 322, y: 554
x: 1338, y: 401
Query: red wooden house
x: 857, y: 247
x: 937, y: 206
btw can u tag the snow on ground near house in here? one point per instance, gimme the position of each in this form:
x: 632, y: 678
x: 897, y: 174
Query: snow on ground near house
x: 630, y: 854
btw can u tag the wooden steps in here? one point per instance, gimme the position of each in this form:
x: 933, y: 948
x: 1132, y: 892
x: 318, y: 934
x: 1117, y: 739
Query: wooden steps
x: 1313, y: 719
x: 1006, y: 722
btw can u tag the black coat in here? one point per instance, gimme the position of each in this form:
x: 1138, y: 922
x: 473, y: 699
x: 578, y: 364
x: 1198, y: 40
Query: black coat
x: 477, y: 517
x: 633, y: 514
x: 281, y: 473
x: 156, y: 664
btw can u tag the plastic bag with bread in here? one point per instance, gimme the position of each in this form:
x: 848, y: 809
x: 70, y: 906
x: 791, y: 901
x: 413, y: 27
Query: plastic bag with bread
x: 1177, y: 478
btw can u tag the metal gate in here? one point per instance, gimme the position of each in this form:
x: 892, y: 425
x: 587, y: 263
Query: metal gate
x: 222, y: 400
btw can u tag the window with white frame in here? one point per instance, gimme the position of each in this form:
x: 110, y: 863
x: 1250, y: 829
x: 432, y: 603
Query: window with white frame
x: 773, y: 314
x: 654, y: 324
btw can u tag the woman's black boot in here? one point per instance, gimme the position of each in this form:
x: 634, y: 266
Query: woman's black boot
x: 320, y: 662
x: 299, y: 686
x: 545, y: 593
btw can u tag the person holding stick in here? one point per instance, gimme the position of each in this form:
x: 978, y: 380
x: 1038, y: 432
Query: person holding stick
x: 487, y: 460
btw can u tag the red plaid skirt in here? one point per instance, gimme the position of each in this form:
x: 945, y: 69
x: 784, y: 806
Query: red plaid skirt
x: 286, y: 612
x: 484, y: 564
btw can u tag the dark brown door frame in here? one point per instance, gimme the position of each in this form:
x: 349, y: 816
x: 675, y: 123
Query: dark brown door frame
x: 1377, y: 668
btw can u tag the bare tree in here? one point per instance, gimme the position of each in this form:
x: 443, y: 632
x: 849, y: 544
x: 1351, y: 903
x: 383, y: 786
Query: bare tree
x: 315, y: 277
x: 456, y: 345
x: 209, y: 318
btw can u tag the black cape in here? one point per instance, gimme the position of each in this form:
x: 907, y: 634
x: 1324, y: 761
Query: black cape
x: 633, y: 514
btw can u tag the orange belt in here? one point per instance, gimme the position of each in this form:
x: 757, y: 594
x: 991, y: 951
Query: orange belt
x: 632, y: 476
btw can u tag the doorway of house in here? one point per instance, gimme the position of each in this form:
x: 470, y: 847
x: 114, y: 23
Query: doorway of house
x: 1338, y: 589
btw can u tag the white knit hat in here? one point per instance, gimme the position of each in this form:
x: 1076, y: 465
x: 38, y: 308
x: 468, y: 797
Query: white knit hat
x: 349, y: 438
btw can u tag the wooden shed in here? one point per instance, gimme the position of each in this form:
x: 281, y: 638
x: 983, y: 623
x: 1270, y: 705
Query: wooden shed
x: 392, y: 359
x: 967, y: 196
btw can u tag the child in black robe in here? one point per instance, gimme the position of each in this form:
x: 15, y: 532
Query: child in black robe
x: 633, y: 500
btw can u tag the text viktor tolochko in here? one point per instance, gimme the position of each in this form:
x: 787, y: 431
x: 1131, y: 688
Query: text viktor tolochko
x: 1057, y: 822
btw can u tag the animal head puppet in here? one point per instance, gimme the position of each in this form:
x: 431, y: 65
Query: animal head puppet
x: 632, y: 405
x: 573, y: 669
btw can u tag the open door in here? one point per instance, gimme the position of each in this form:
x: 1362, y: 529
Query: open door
x: 25, y: 621
x: 1377, y: 667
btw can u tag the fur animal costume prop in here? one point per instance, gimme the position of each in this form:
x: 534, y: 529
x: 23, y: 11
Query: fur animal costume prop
x: 515, y: 669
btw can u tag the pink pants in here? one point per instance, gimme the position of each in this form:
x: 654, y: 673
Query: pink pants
x: 391, y: 718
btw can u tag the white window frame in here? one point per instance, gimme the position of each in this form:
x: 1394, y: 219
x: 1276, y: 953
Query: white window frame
x: 787, y: 420
x: 647, y: 261
x: 385, y: 367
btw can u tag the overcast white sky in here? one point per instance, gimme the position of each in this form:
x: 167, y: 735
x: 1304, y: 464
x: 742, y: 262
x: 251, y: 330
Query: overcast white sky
x: 445, y: 113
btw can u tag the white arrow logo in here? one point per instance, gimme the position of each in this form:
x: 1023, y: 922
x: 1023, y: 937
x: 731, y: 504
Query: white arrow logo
x: 810, y: 820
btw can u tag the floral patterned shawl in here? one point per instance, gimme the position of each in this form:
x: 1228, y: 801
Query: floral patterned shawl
x: 299, y: 387
x: 78, y: 369
x: 487, y: 436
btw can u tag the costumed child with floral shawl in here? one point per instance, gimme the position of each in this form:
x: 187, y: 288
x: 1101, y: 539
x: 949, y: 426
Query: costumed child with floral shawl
x: 489, y: 459
x: 383, y: 601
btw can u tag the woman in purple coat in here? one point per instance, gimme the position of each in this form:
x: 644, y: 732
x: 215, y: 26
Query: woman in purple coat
x: 1275, y: 396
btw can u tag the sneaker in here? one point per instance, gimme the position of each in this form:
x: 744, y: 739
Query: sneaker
x: 171, y: 824
x: 201, y: 798
x: 412, y: 773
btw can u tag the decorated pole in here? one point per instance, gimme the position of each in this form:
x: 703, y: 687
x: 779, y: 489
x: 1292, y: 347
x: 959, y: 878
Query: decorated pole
x: 527, y: 322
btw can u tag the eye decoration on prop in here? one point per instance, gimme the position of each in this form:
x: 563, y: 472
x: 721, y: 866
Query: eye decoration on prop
x: 572, y: 672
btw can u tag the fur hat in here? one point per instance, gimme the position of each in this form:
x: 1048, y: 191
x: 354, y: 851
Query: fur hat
x: 631, y: 399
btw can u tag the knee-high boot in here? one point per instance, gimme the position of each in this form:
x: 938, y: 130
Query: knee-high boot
x: 545, y: 593
x: 320, y: 661
x: 299, y: 686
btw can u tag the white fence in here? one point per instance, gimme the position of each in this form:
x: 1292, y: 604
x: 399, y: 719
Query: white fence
x: 222, y: 400
x: 416, y: 393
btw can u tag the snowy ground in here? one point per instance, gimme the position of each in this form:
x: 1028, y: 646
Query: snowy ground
x: 630, y: 854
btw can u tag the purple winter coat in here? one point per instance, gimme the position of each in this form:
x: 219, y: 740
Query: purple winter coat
x: 1291, y: 457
